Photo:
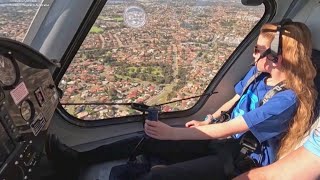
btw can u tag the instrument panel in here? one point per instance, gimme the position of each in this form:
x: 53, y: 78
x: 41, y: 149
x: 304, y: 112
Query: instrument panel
x: 28, y: 99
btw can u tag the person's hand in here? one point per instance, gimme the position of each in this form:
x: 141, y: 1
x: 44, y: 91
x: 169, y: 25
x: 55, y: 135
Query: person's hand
x: 159, y: 130
x: 195, y: 123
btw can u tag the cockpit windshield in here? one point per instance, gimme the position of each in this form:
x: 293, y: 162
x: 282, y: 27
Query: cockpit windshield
x: 16, y: 17
x: 153, y: 52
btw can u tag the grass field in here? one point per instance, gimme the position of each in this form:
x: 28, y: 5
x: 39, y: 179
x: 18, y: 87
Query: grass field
x: 96, y: 29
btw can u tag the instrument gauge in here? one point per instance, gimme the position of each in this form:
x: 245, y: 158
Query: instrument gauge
x: 9, y: 72
x: 27, y: 110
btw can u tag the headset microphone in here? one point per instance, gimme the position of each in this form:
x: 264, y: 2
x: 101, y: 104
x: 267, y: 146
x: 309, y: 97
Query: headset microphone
x: 255, y: 62
x: 252, y: 64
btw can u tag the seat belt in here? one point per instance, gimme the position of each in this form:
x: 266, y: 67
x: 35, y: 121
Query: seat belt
x: 276, y: 89
x: 226, y: 115
x: 249, y: 143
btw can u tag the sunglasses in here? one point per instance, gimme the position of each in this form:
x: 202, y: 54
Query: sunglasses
x: 257, y: 50
x: 265, y: 53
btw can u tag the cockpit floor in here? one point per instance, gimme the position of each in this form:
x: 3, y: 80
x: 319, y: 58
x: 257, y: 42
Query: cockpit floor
x: 99, y: 171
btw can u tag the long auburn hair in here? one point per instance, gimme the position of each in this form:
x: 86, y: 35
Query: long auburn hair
x: 300, y: 74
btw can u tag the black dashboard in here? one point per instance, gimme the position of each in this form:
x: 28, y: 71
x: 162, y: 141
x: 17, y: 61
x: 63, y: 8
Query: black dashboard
x: 28, y: 99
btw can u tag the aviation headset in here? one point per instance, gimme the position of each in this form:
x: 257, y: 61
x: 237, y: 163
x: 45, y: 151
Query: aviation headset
x: 276, y: 45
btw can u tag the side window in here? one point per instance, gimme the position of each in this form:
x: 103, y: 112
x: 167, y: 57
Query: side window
x: 153, y: 52
x: 16, y: 17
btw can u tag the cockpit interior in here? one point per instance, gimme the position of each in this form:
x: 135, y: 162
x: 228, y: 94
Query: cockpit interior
x: 88, y: 71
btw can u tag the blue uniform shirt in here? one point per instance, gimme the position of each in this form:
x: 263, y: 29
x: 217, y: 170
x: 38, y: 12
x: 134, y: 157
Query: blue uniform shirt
x: 313, y: 143
x: 266, y: 122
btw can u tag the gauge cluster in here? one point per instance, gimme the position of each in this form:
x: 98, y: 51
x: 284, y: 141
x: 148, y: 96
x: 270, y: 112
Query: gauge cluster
x: 30, y: 108
x: 28, y: 99
x: 9, y: 71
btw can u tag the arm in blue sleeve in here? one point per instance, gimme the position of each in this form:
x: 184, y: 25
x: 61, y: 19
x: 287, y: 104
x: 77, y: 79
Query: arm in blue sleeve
x: 272, y: 118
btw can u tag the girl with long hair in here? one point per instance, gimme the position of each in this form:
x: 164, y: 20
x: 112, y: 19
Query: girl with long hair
x: 300, y: 74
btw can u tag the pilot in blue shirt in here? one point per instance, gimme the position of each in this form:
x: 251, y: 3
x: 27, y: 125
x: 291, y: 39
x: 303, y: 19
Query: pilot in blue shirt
x: 267, y: 122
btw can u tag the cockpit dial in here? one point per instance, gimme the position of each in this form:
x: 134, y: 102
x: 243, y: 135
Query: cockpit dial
x: 27, y: 110
x: 9, y: 72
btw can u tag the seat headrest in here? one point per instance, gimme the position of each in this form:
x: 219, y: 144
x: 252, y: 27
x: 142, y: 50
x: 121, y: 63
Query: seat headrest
x: 315, y: 57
